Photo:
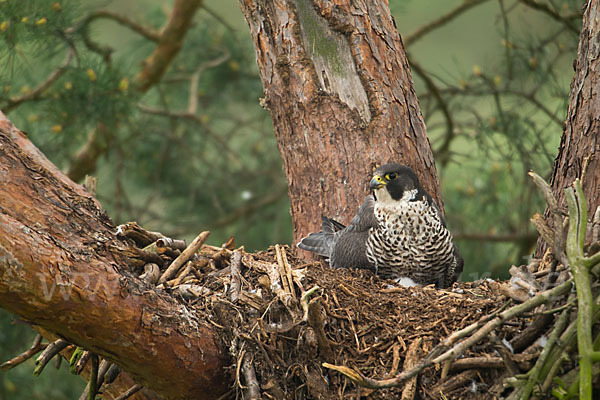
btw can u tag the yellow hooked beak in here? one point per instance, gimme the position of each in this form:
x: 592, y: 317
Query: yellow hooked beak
x: 377, y: 182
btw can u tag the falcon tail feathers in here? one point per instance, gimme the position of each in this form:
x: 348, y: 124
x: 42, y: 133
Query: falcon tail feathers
x: 320, y: 243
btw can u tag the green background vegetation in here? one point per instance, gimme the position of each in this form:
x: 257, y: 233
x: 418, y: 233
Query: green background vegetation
x: 501, y: 71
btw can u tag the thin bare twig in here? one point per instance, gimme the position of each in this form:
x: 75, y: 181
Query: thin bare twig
x: 250, y: 378
x: 35, y: 348
x: 129, y: 392
x: 566, y: 21
x: 444, y: 19
x: 450, y: 133
x: 193, y: 98
x: 148, y: 33
x: 50, y: 351
x: 184, y: 256
x: 236, y: 279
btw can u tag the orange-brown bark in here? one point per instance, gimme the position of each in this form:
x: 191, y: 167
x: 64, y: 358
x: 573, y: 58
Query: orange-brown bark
x: 61, y: 268
x: 580, y: 142
x: 341, y: 96
x: 581, y: 135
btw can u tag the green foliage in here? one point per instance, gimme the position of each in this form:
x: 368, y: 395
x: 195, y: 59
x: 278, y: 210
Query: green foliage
x: 26, y: 22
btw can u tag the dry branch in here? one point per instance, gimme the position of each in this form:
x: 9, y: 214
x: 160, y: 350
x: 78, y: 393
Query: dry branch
x: 35, y: 348
x: 236, y: 280
x: 444, y: 19
x: 129, y: 392
x: 184, y: 256
x: 412, y: 357
x: 51, y: 350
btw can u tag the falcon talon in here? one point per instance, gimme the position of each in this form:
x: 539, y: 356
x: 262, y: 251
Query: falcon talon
x: 398, y: 233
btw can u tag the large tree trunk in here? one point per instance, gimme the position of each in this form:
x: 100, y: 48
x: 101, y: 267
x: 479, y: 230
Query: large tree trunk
x: 341, y: 96
x: 580, y: 142
x: 63, y: 269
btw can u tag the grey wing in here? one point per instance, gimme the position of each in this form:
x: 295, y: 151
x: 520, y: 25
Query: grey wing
x: 365, y: 217
x: 350, y: 244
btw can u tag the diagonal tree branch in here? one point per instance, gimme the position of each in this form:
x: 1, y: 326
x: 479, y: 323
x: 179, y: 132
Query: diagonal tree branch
x: 63, y: 268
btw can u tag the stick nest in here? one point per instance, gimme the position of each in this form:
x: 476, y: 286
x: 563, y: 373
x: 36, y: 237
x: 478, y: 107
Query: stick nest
x: 354, y: 319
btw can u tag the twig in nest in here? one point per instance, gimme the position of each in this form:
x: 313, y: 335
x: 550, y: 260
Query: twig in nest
x: 522, y: 361
x: 534, y: 373
x: 111, y: 374
x: 238, y: 367
x: 139, y: 235
x: 250, y: 378
x: 184, y: 256
x: 353, y: 329
x: 102, y: 370
x: 505, y: 352
x: 410, y: 388
x: 285, y: 271
x: 315, y: 321
x: 531, y: 333
x: 236, y: 279
x: 395, y: 359
x: 304, y: 301
x: 50, y: 351
x: 455, y: 382
x: 35, y: 348
x: 99, y: 375
x: 82, y: 362
x: 181, y: 275
x: 129, y: 392
x: 512, y: 312
x: 151, y: 273
x: 174, y: 244
x: 274, y: 277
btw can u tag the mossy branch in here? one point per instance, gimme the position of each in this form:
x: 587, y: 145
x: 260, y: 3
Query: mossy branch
x: 581, y: 275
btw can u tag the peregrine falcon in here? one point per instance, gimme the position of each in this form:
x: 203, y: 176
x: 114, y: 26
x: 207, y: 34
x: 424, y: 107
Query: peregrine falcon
x: 398, y: 232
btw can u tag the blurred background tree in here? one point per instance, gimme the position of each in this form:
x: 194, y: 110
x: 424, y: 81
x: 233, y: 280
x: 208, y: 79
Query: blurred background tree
x: 190, y: 148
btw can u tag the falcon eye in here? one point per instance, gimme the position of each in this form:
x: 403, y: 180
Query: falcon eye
x: 391, y: 176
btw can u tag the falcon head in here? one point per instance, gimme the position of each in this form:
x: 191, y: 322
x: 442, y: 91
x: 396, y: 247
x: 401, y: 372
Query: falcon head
x: 395, y: 182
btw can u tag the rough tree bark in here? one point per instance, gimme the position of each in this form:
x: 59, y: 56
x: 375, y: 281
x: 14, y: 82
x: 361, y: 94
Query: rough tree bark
x: 63, y: 269
x: 580, y: 142
x: 341, y: 96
